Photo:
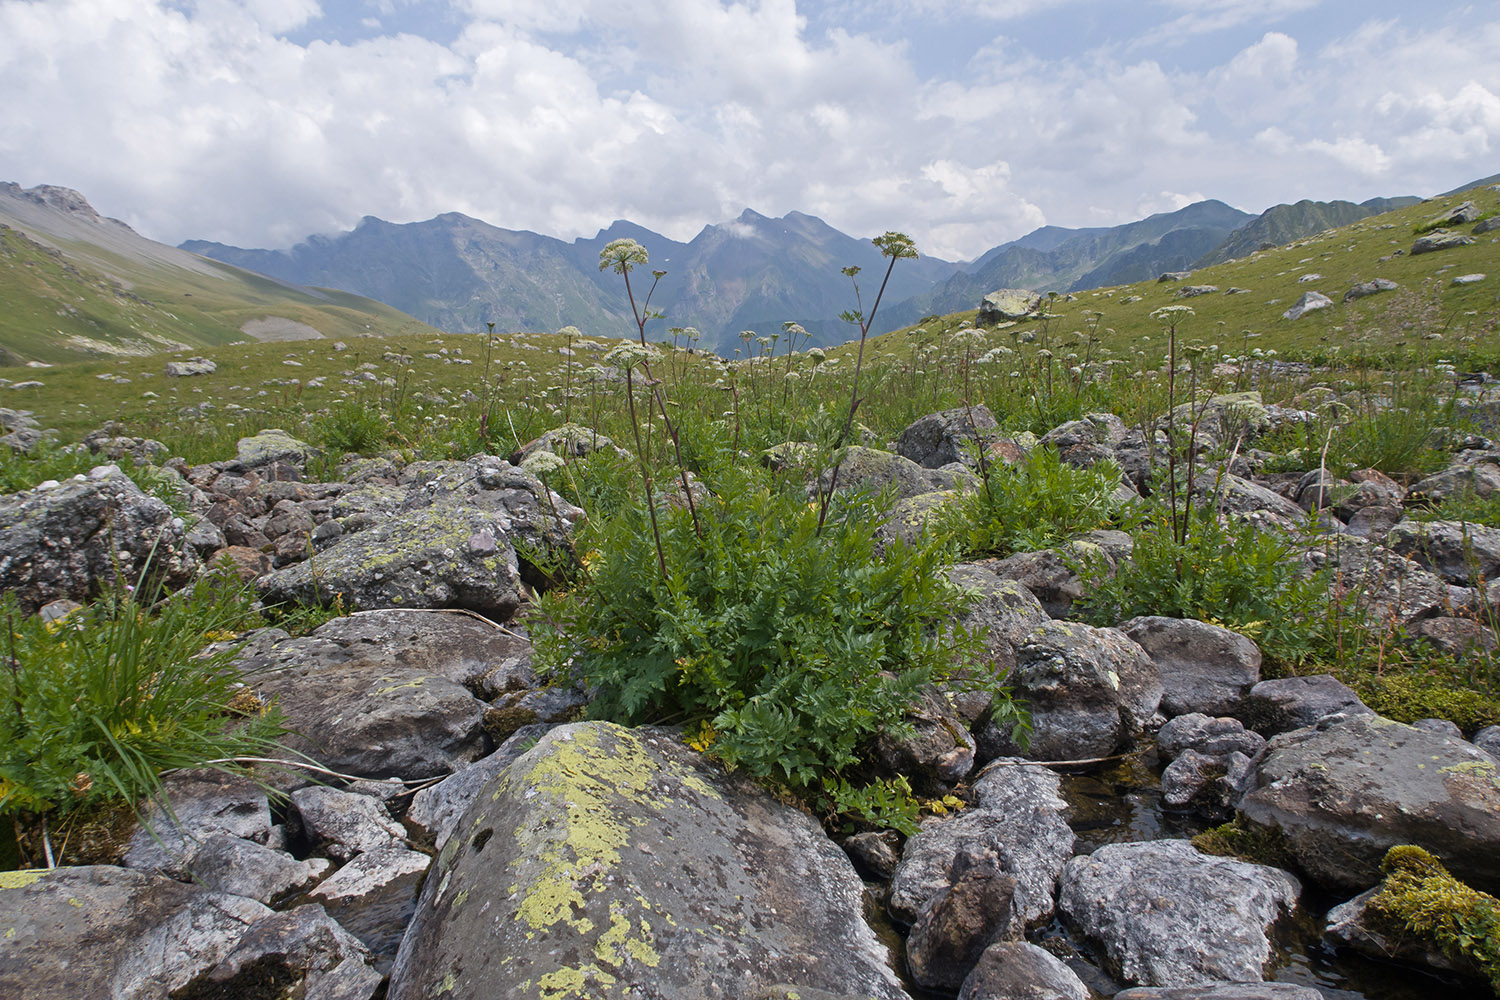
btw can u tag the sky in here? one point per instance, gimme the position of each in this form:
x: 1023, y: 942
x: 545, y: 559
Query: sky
x: 965, y: 123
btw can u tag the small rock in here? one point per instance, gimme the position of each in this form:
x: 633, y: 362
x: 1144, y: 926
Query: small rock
x: 1310, y: 302
x: 343, y: 824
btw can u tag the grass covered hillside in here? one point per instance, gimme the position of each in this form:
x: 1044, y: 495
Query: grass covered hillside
x: 76, y: 285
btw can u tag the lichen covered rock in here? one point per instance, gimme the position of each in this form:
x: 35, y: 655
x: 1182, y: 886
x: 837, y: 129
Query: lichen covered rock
x: 608, y: 862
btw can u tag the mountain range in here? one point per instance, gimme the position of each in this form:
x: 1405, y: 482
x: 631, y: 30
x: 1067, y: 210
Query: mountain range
x: 753, y: 273
x: 79, y: 285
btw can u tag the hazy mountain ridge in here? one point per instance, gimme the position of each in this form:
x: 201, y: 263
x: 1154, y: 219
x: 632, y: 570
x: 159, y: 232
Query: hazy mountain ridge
x: 1282, y: 224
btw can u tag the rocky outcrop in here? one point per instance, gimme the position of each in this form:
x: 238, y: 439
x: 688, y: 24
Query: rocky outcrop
x: 956, y: 435
x: 606, y: 862
x: 1018, y: 818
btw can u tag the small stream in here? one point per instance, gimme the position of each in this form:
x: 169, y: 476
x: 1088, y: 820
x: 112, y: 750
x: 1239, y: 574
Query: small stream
x: 1120, y: 803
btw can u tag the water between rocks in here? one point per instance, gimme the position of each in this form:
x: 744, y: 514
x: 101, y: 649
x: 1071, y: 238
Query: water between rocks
x: 1121, y: 802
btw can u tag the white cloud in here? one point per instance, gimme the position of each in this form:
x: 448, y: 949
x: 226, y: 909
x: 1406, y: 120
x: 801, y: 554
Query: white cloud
x: 561, y: 117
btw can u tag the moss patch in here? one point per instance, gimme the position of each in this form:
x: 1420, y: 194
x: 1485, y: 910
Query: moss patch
x: 1420, y: 897
x: 1260, y: 845
x: 1407, y: 697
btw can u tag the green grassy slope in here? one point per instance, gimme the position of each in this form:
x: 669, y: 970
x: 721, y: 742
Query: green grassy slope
x: 1341, y: 257
x: 74, y: 286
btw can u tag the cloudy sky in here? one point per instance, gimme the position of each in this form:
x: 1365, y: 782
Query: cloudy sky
x: 963, y: 122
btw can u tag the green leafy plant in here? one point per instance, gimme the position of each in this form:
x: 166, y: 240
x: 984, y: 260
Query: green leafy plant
x: 783, y: 648
x: 1034, y: 504
x: 351, y: 426
x: 95, y: 706
x: 1226, y: 572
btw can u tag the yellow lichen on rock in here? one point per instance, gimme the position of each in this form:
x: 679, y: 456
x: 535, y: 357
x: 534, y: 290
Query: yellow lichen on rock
x: 21, y: 879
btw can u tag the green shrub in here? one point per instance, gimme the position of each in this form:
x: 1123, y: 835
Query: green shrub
x: 1419, y: 896
x: 781, y: 649
x: 1035, y: 504
x: 1226, y: 572
x: 95, y: 706
x: 351, y: 426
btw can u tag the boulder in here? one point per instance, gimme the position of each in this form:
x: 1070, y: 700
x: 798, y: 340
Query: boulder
x: 1018, y: 817
x: 374, y: 896
x: 1057, y: 576
x: 935, y: 754
x: 1354, y: 926
x: 100, y: 931
x: 1442, y: 239
x: 343, y: 824
x: 1345, y: 791
x: 1310, y: 302
x: 245, y: 868
x: 1210, y: 784
x: 195, y: 806
x: 302, y: 951
x: 1017, y: 970
x: 1286, y: 703
x: 954, y: 927
x: 376, y: 708
x: 872, y: 469
x: 269, y: 447
x: 1204, y: 668
x: 1214, y: 737
x: 1363, y: 289
x: 1165, y: 915
x: 950, y: 436
x: 190, y: 367
x: 1007, y: 304
x: 1460, y: 552
x: 1481, y: 478
x: 72, y: 539
x: 1388, y: 586
x: 1089, y: 690
x: 611, y: 862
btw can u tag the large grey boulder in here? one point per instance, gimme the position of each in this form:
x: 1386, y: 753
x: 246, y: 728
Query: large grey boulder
x: 1310, y: 302
x: 1196, y: 731
x: 950, y: 436
x: 608, y: 862
x: 1204, y: 668
x: 1007, y: 304
x: 194, y: 807
x: 1482, y: 478
x: 1089, y: 690
x: 304, y: 951
x: 99, y: 931
x: 269, y: 447
x: 1018, y: 816
x: 1388, y: 586
x: 190, y: 367
x: 1345, y: 791
x: 1285, y: 703
x: 1058, y: 576
x: 74, y: 538
x: 377, y: 700
x: 1363, y: 289
x: 1442, y: 239
x: 374, y: 896
x: 874, y: 470
x: 1165, y: 915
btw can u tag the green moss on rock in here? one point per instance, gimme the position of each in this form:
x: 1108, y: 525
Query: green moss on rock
x: 1420, y: 897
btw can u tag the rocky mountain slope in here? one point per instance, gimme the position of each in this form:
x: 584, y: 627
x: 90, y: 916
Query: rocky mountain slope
x: 458, y: 273
x: 1281, y: 224
x: 78, y: 285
